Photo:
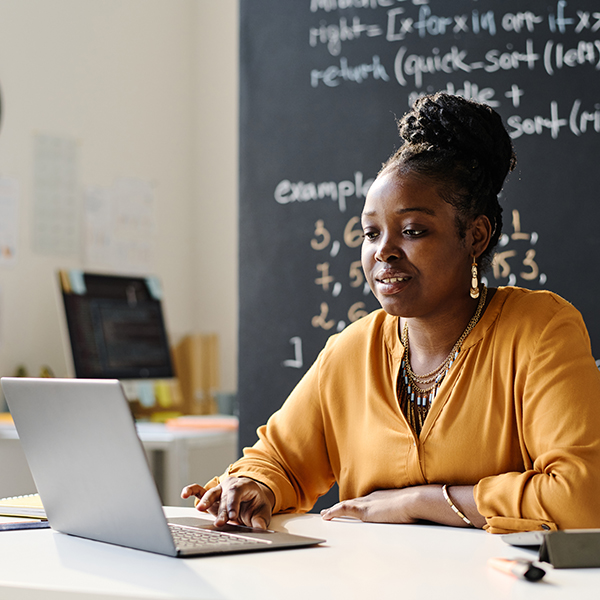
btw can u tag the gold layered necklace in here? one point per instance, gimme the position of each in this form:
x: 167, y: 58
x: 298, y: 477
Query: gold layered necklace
x: 416, y: 393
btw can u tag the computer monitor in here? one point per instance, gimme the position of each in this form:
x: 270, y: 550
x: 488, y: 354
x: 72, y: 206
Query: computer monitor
x: 114, y: 327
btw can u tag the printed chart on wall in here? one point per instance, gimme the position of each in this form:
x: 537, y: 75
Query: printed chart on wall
x: 322, y: 84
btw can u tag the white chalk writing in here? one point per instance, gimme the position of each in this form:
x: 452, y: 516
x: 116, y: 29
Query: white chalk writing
x: 287, y: 191
x: 578, y: 121
x: 334, y: 35
x: 329, y: 5
x: 557, y: 57
x: 415, y: 66
x: 333, y: 75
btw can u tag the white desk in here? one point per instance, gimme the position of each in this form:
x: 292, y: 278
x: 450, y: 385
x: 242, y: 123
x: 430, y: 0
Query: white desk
x: 176, y: 457
x: 400, y: 562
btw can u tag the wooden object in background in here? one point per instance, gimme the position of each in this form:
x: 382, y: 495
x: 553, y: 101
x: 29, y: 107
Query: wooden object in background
x: 197, y: 367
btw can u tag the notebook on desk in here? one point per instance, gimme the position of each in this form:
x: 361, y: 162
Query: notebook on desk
x: 92, y: 475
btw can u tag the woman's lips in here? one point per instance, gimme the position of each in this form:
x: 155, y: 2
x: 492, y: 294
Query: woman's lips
x: 391, y: 284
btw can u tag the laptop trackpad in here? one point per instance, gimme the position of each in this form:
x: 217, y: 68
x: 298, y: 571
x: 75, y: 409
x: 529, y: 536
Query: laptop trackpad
x: 208, y: 524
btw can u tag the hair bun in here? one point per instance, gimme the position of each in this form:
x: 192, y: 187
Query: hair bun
x: 463, y: 130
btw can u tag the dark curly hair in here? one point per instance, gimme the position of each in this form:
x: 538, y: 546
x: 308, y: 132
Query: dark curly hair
x: 463, y: 148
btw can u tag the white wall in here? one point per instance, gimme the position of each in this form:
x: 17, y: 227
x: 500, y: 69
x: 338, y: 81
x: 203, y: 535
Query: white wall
x: 148, y: 88
x: 216, y: 171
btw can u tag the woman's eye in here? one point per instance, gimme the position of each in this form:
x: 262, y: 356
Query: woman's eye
x: 370, y: 235
x: 413, y: 232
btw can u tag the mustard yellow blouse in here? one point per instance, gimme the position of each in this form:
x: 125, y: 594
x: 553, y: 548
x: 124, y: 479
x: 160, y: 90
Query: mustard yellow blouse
x: 518, y: 416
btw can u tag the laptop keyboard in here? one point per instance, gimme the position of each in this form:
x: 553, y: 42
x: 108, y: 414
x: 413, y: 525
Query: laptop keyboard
x: 191, y: 537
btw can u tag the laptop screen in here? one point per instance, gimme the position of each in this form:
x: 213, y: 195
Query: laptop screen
x: 115, y: 326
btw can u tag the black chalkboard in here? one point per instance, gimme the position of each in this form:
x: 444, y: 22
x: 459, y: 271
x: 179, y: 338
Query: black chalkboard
x: 322, y: 82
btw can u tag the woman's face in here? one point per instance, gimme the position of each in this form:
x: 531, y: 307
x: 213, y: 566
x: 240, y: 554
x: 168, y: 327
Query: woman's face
x: 412, y: 255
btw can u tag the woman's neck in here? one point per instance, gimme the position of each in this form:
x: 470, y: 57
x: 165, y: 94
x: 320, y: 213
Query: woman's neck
x: 432, y: 338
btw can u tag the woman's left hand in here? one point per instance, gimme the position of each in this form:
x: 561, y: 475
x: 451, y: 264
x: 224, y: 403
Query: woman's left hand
x: 409, y: 505
x: 381, y: 506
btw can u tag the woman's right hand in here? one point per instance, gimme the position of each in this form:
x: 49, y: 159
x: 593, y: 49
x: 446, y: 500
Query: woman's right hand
x: 237, y: 499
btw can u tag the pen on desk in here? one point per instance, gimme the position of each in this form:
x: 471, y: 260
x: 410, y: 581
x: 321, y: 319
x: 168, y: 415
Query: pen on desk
x: 518, y: 567
x: 16, y: 525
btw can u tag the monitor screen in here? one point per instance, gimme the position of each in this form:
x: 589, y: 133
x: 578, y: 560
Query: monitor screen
x: 115, y: 326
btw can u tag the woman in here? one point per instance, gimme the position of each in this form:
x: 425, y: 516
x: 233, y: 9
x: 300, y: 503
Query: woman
x: 454, y: 404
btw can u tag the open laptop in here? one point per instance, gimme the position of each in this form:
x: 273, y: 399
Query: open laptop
x: 92, y: 475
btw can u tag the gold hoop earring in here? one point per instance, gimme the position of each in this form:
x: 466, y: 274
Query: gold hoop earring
x: 474, y: 291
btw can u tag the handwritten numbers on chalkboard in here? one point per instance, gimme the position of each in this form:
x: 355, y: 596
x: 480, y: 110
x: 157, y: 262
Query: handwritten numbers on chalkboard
x: 357, y: 311
x: 321, y: 319
x: 322, y: 236
x: 356, y: 274
x: 516, y: 222
x: 325, y: 278
x: 501, y: 265
x: 297, y: 362
x: 353, y: 235
x: 529, y: 262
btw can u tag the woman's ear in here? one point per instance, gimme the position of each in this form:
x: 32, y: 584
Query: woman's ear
x: 481, y: 233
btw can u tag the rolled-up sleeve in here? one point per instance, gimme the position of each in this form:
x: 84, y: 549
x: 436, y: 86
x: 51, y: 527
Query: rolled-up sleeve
x: 557, y: 398
x: 291, y: 456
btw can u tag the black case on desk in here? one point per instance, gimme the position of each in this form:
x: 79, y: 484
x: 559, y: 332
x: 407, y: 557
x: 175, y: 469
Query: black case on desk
x: 568, y: 549
x: 571, y: 549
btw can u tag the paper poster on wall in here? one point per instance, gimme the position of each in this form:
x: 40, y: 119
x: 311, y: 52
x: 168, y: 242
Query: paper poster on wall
x: 9, y: 220
x: 120, y: 226
x: 56, y: 196
x: 97, y: 228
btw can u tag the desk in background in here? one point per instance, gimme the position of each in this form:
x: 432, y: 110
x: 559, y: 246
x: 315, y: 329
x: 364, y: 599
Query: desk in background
x: 359, y: 560
x: 180, y: 457
x: 176, y: 457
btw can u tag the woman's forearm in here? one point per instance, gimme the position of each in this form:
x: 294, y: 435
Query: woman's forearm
x: 412, y: 504
x: 430, y: 504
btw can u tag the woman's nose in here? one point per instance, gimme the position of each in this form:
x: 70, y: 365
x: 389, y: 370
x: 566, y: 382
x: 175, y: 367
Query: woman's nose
x: 387, y: 251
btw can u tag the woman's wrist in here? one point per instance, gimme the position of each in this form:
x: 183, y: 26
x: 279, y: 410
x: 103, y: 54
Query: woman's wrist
x: 427, y: 503
x: 424, y: 503
x: 269, y: 494
x: 463, y: 499
x: 267, y: 491
x: 455, y: 508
